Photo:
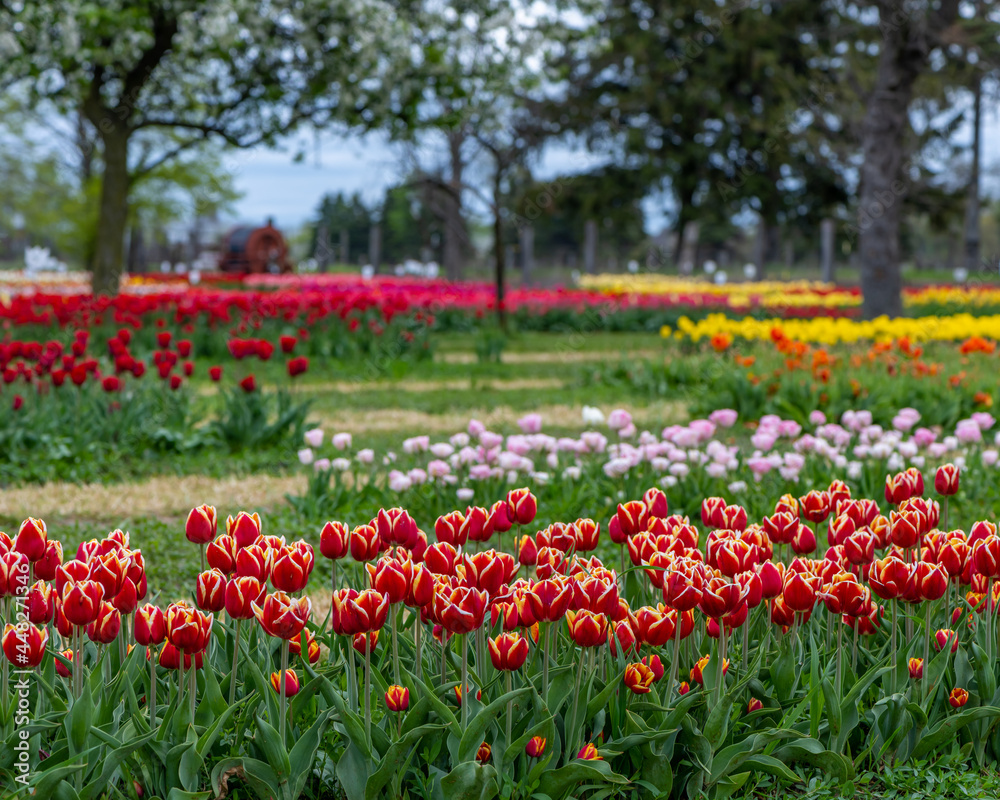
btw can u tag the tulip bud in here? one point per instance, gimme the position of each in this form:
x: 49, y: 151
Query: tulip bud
x: 397, y: 698
x: 201, y: 525
x: 210, y: 590
x: 105, y: 628
x: 916, y: 666
x: 508, y: 651
x: 589, y: 753
x: 61, y: 669
x: 958, y: 697
x: 946, y: 480
x: 291, y: 681
x: 754, y: 705
x: 24, y: 646
x: 483, y: 753
x: 334, y: 540
x: 521, y: 506
x: 150, y: 626
x: 244, y: 528
x: 41, y: 604
x: 32, y: 539
x: 221, y: 554
x: 535, y: 748
x: 638, y: 678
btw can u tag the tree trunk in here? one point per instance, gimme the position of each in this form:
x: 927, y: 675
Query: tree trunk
x: 527, y: 236
x: 590, y: 247
x: 760, y: 246
x: 827, y: 238
x: 498, y: 249
x: 454, y: 224
x: 113, y: 214
x: 688, y: 251
x: 882, y: 181
x: 375, y: 245
x: 972, y: 204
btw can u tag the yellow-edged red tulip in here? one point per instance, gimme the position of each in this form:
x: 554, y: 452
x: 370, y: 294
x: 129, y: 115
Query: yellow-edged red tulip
x: 958, y: 697
x: 535, y: 748
x: 149, y: 625
x: 397, y: 698
x: 210, y: 590
x: 281, y: 616
x: 106, y: 627
x: 201, y: 525
x: 291, y: 681
x: 24, y: 645
x: 508, y: 651
x: 638, y: 678
x: 32, y: 539
x: 244, y: 528
x: 586, y: 628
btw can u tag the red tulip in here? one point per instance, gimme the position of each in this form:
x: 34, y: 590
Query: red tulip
x: 210, y: 590
x: 638, y: 678
x: 397, y: 698
x: 24, y: 645
x: 521, y: 506
x: 221, y: 554
x: 188, y: 629
x: 290, y: 568
x: 365, y: 543
x: 80, y: 601
x: 946, y: 480
x: 958, y: 697
x: 32, y: 539
x: 508, y: 651
x: 106, y: 626
x: 201, y: 525
x: 535, y: 748
x: 291, y: 682
x: 334, y: 540
x: 280, y: 616
x: 150, y: 625
x: 41, y: 604
x: 586, y: 628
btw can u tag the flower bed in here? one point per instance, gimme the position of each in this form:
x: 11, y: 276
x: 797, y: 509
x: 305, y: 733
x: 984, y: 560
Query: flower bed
x: 488, y: 655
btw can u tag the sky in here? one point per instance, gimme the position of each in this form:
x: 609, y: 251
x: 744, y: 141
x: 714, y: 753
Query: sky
x: 274, y: 184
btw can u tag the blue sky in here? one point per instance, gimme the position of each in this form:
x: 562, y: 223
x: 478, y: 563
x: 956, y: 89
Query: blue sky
x: 274, y: 184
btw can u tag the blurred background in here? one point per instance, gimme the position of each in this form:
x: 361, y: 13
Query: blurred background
x: 530, y: 141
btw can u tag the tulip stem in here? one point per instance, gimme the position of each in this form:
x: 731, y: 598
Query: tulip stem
x: 202, y: 556
x: 892, y: 649
x: 192, y: 684
x: 545, y: 662
x: 78, y: 664
x: 676, y: 660
x: 927, y: 637
x: 465, y: 680
x: 838, y: 679
x: 510, y: 710
x: 393, y: 614
x: 284, y: 694
x: 352, y: 677
x: 368, y: 692
x: 236, y: 653
x: 720, y: 667
x: 417, y: 625
x: 989, y: 621
x: 571, y: 736
x: 152, y: 691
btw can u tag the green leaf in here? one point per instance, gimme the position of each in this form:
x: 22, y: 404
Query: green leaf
x: 80, y: 719
x: 269, y: 741
x: 353, y: 771
x: 470, y: 781
x: 352, y: 723
x: 398, y: 754
x: 559, y: 782
x: 475, y: 733
x: 604, y: 696
x: 945, y: 730
x: 771, y: 766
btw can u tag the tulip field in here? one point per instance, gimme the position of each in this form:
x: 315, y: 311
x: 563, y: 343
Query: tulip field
x: 314, y: 537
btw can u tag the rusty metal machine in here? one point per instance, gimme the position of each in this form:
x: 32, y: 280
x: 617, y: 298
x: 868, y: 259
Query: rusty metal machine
x: 255, y: 250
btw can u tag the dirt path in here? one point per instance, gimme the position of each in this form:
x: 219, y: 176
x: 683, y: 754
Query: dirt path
x: 162, y: 497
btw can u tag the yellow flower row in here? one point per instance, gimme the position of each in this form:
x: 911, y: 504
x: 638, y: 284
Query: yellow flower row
x: 830, y: 330
x: 778, y: 294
